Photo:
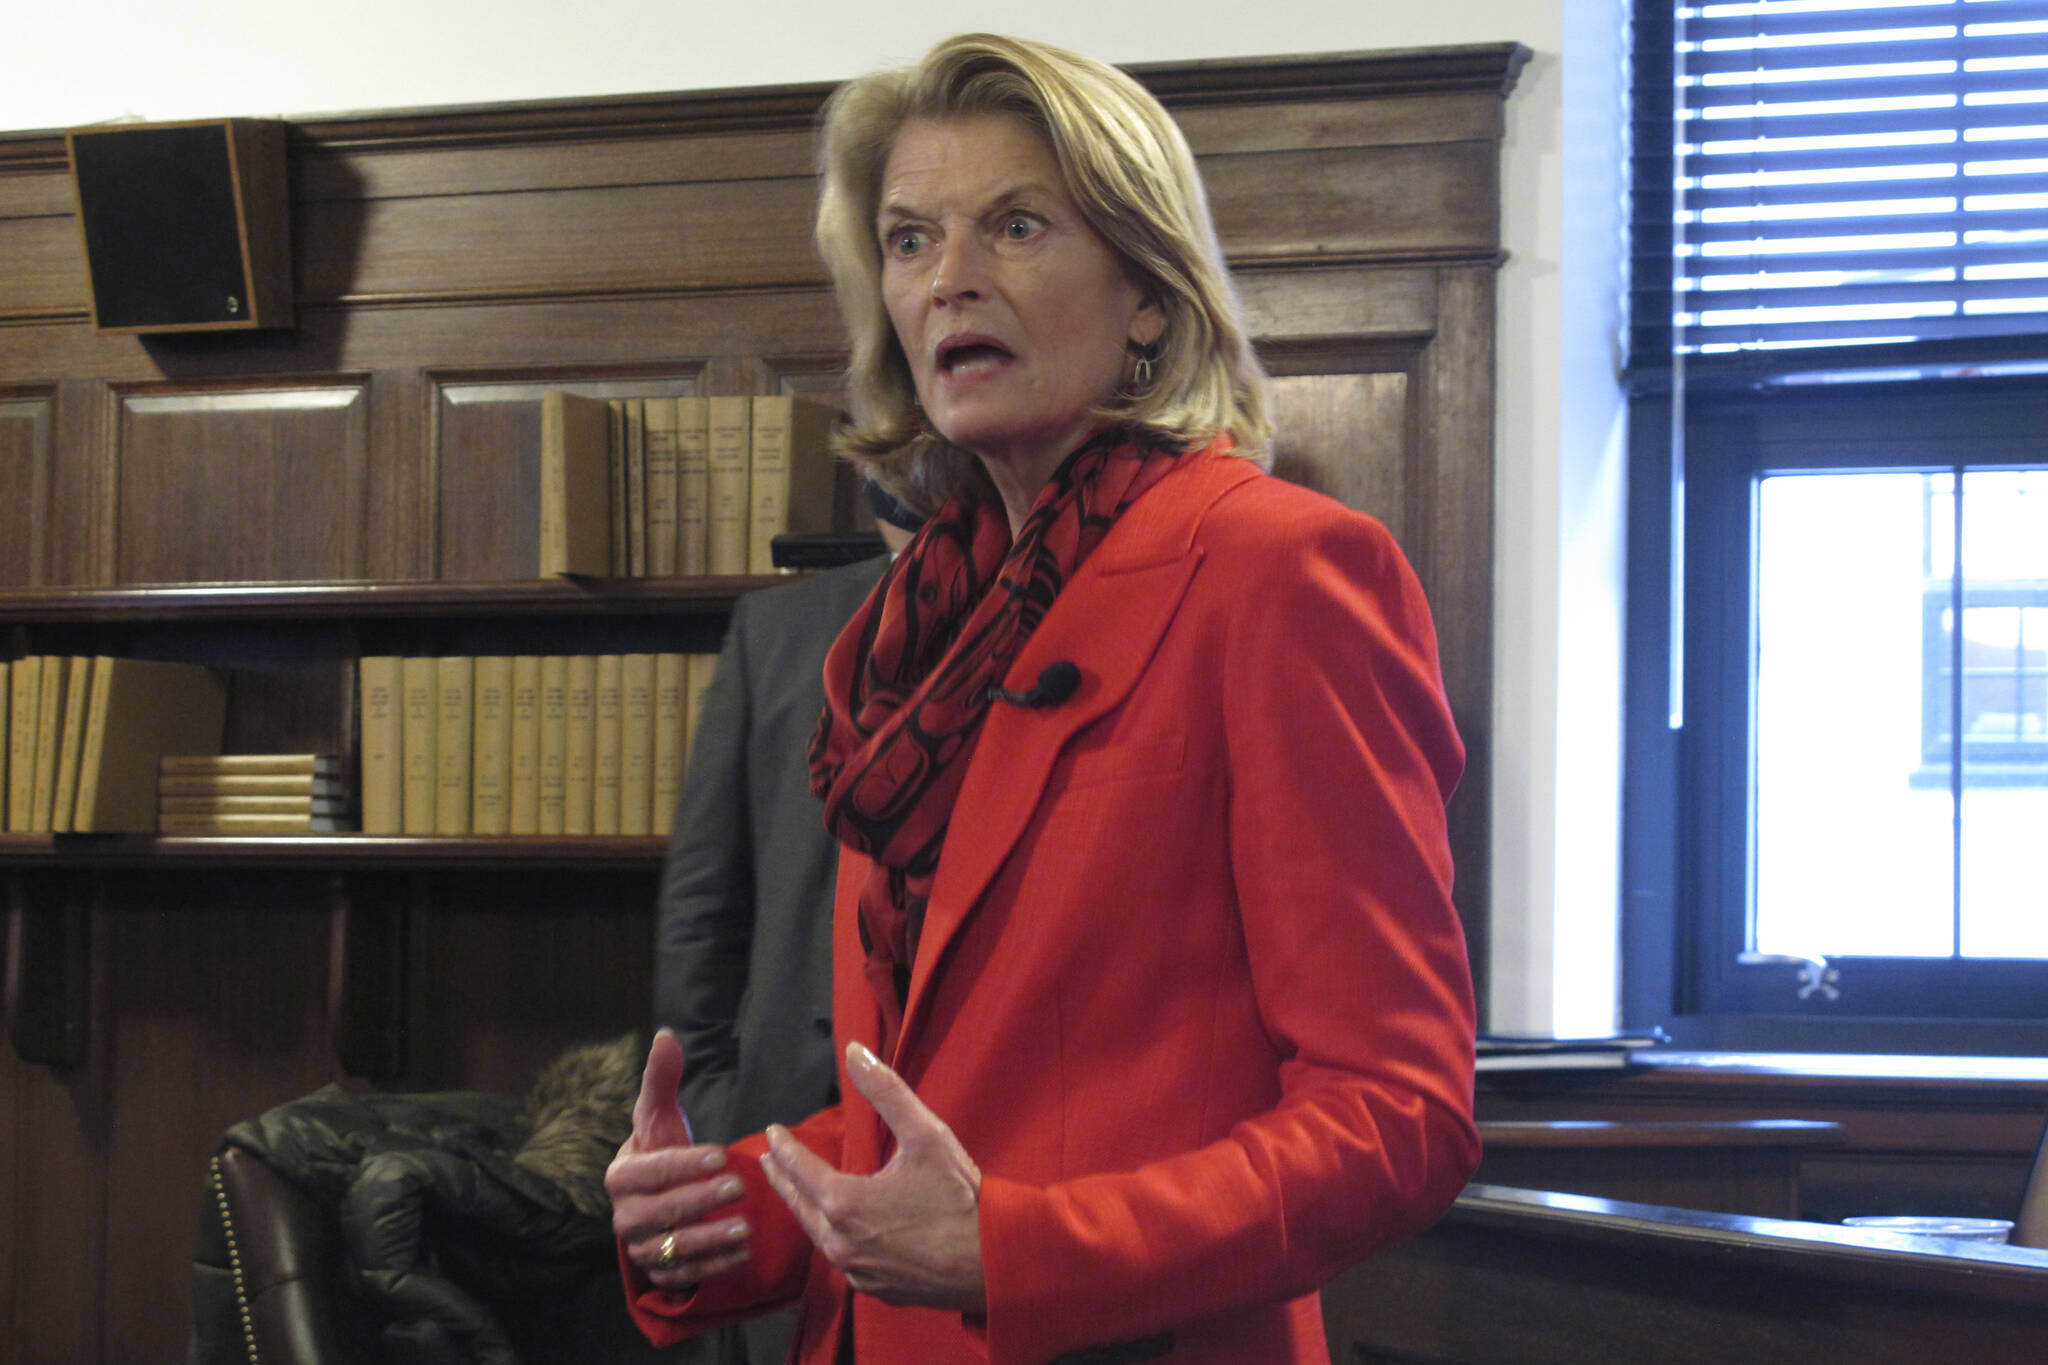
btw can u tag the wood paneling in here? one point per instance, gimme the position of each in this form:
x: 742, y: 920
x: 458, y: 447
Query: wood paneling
x: 25, y: 437
x: 451, y: 265
x: 229, y: 487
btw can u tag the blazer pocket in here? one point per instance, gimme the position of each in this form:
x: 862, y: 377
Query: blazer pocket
x: 1128, y: 762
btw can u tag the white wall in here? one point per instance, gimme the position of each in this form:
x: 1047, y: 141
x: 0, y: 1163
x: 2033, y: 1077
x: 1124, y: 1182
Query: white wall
x: 1558, y: 546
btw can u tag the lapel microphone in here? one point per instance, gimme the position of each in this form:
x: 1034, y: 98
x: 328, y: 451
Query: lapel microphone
x: 1056, y: 682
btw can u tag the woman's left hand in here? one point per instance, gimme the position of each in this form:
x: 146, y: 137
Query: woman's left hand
x: 911, y: 1232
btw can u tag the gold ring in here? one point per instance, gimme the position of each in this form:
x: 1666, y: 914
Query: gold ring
x: 665, y: 1257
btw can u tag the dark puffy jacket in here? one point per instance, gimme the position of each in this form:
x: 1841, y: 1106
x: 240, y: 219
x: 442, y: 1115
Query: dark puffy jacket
x: 440, y: 1228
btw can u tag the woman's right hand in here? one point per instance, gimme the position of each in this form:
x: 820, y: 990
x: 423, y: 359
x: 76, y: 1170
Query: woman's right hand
x: 666, y: 1190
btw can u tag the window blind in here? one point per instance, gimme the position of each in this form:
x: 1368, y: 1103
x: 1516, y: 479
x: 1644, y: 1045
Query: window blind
x: 1859, y: 172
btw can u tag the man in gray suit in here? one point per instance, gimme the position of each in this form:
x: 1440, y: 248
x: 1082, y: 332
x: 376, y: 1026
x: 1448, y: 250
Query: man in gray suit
x: 743, y: 938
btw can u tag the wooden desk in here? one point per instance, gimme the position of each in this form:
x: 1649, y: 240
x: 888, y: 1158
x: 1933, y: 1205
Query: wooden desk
x: 1520, y: 1277
x: 1948, y: 1135
x: 1747, y: 1166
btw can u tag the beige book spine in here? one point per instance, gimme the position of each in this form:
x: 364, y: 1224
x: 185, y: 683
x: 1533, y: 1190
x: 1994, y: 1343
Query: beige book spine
x: 636, y: 745
x: 671, y: 679
x: 575, y: 482
x: 554, y: 739
x: 454, y: 734
x: 326, y: 785
x: 71, y: 747
x: 607, y: 768
x: 252, y: 805
x: 169, y: 823
x: 21, y: 742
x: 525, y: 795
x: 579, y: 769
x: 659, y: 423
x: 6, y: 732
x: 49, y: 734
x: 92, y: 743
x: 731, y: 450
x: 138, y: 711
x: 693, y: 485
x: 419, y: 747
x: 790, y: 478
x: 490, y: 785
x: 379, y: 687
x: 621, y: 547
x: 633, y: 416
x: 702, y: 666
x: 174, y: 764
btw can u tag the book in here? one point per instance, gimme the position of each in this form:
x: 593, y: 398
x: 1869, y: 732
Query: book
x: 554, y: 739
x: 24, y: 690
x: 138, y: 710
x: 579, y: 761
x: 6, y: 735
x: 490, y: 788
x: 633, y: 436
x: 71, y: 745
x: 419, y: 746
x: 524, y: 809
x: 575, y: 485
x: 252, y: 805
x: 615, y: 471
x: 728, y: 455
x: 230, y: 825
x: 1539, y: 1052
x: 636, y: 744
x: 323, y: 765
x: 608, y: 745
x: 789, y: 473
x: 49, y: 734
x: 380, y: 727
x: 693, y: 485
x: 454, y: 740
x: 329, y: 786
x: 659, y: 424
x: 671, y: 679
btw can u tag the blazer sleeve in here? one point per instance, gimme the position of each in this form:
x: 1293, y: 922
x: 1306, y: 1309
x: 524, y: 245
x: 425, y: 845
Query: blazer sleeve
x: 1341, y: 754
x: 779, y: 1252
x: 704, y: 917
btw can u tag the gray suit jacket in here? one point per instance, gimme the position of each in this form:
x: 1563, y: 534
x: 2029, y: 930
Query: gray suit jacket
x: 743, y: 939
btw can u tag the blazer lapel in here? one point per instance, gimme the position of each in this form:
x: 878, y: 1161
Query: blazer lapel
x: 1107, y: 620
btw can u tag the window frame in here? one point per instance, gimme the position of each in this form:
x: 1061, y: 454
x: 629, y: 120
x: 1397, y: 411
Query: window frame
x: 1700, y: 428
x: 1732, y: 437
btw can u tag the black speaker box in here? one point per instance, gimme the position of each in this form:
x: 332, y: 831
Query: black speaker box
x: 186, y: 225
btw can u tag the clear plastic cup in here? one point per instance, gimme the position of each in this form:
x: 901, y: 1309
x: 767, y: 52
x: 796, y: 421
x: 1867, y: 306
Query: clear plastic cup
x: 1957, y: 1229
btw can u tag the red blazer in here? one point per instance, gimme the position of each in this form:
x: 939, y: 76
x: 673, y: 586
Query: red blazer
x: 1190, y: 989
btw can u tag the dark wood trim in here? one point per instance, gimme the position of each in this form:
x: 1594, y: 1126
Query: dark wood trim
x: 356, y: 600
x: 317, y: 851
x: 1491, y: 67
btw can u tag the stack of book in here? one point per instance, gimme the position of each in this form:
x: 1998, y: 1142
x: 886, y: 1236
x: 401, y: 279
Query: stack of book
x: 232, y: 794
x: 84, y: 734
x: 652, y: 487
x: 527, y: 744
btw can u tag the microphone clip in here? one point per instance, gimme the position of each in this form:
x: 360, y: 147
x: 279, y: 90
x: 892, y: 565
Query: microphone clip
x: 1057, y: 681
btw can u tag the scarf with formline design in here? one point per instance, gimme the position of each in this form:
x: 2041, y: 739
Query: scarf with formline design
x: 907, y: 682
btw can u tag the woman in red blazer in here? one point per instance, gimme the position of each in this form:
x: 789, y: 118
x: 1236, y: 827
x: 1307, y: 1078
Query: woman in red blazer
x: 1155, y: 1008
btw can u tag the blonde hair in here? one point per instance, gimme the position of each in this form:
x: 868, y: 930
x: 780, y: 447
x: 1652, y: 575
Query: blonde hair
x: 1127, y: 168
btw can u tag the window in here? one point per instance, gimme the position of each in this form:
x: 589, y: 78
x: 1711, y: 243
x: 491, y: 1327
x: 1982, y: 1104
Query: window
x: 1837, y: 784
